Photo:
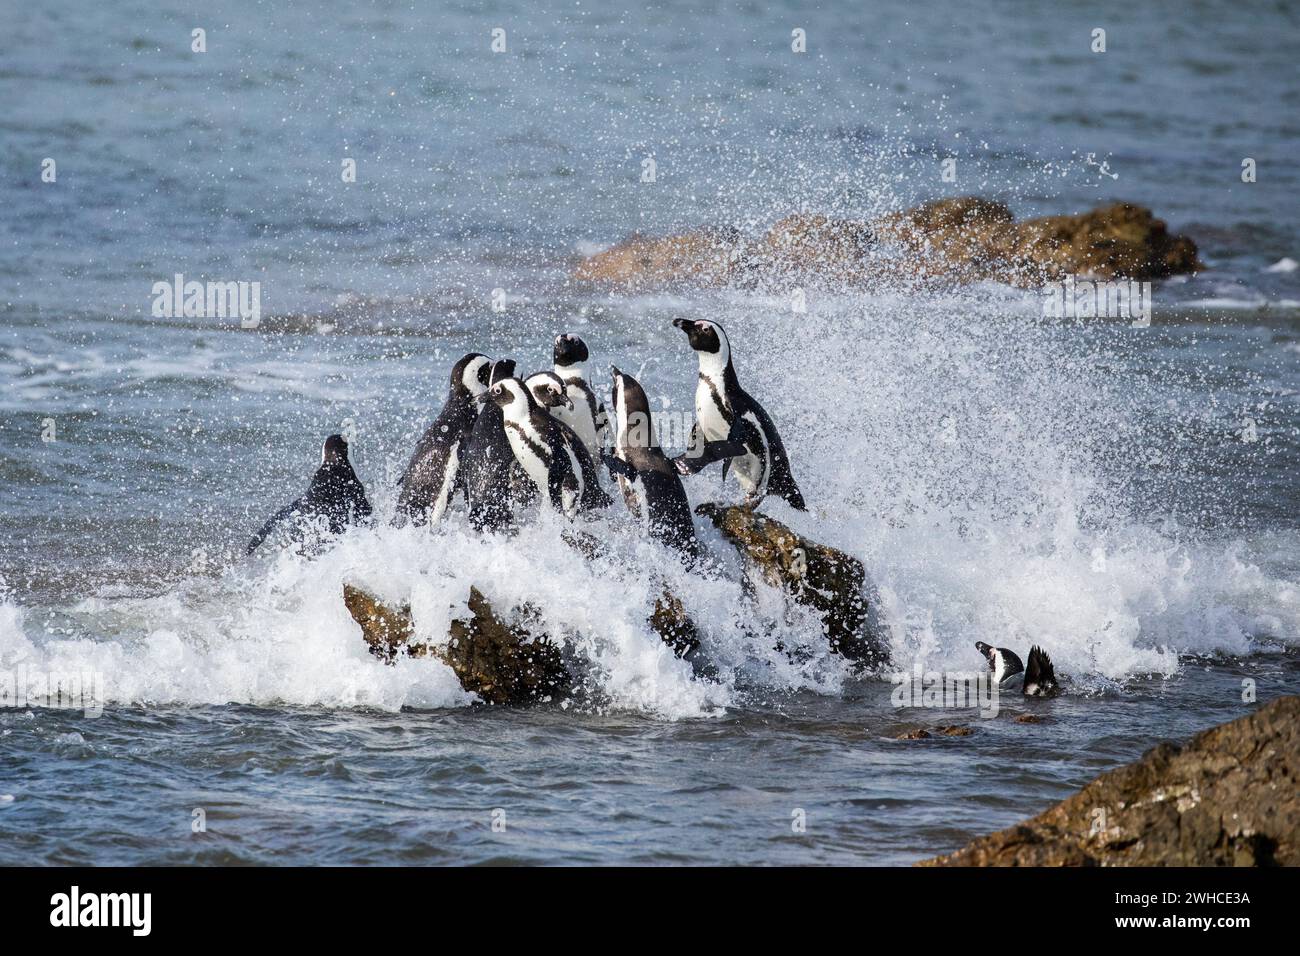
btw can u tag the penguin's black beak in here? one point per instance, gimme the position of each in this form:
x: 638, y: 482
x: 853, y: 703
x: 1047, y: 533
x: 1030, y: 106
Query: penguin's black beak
x: 683, y: 324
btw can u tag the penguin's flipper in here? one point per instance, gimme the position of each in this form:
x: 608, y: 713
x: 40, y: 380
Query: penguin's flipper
x: 618, y: 467
x: 723, y: 450
x: 284, y: 514
x: 1040, y: 675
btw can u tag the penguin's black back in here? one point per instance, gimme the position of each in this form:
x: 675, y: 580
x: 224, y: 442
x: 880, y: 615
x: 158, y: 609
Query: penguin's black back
x: 486, y: 461
x: 422, y: 479
x: 335, y: 494
x: 780, y: 480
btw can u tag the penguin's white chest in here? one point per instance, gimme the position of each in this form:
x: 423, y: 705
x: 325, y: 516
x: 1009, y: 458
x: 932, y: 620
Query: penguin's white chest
x: 448, y: 480
x: 708, y: 412
x: 535, y: 467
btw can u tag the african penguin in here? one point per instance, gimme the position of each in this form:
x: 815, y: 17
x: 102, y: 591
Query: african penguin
x: 1037, y: 679
x: 430, y: 479
x: 335, y: 495
x: 550, y: 452
x: 486, y: 460
x: 586, y: 414
x: 639, y: 461
x: 1040, y: 675
x: 549, y: 391
x: 731, y: 425
x: 1005, y: 664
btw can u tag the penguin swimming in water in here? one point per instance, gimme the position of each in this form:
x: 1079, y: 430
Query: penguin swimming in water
x: 1038, y: 679
x: 586, y: 414
x: 486, y: 460
x: 335, y: 495
x: 652, y: 477
x: 551, y: 454
x: 431, y: 477
x: 731, y: 425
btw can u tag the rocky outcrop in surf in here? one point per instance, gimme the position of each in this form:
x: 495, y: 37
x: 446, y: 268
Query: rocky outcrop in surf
x: 825, y: 579
x: 1226, y: 798
x: 965, y: 239
x: 509, y: 660
x: 499, y: 660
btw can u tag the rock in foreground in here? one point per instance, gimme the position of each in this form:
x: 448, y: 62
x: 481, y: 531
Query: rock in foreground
x: 1230, y: 797
x: 829, y: 581
x: 500, y: 662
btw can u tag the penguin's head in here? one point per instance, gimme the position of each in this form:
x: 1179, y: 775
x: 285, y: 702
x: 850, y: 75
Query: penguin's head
x: 705, y: 337
x: 1002, y: 662
x: 510, y: 395
x: 334, y: 451
x: 548, y: 390
x: 570, y: 350
x: 631, y: 411
x: 470, y: 375
x: 502, y: 369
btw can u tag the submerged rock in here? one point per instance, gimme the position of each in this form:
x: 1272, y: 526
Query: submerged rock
x: 501, y: 662
x: 962, y: 239
x: 823, y: 578
x: 1227, y: 798
x: 668, y: 618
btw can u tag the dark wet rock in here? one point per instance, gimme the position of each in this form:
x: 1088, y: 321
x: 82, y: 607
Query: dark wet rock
x: 823, y: 578
x: 673, y: 625
x: 1229, y: 797
x: 916, y: 733
x: 668, y: 618
x: 961, y: 239
x: 386, y: 629
x: 1030, y: 719
x: 500, y: 661
x: 956, y: 730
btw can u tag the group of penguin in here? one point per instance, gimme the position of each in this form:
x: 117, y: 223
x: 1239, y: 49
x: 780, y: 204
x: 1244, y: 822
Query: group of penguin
x: 502, y: 442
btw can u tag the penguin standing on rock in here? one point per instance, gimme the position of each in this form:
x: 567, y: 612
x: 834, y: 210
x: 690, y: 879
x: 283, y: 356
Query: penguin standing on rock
x: 486, y: 460
x: 649, y: 474
x: 1037, y: 679
x: 550, y: 391
x: 431, y: 477
x: 585, y: 413
x: 550, y: 452
x: 335, y: 495
x: 731, y: 426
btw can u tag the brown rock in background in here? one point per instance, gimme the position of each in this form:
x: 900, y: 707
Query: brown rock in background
x: 962, y: 239
x: 706, y: 257
x: 1230, y: 797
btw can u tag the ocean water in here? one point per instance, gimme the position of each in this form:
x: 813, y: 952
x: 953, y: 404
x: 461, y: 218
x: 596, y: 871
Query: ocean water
x: 1125, y: 497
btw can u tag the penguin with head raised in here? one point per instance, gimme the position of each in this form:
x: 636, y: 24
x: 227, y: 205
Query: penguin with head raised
x: 1037, y: 679
x: 585, y: 413
x: 731, y: 426
x: 335, y: 496
x: 648, y: 473
x: 430, y: 479
x: 486, y: 462
x: 552, y: 456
